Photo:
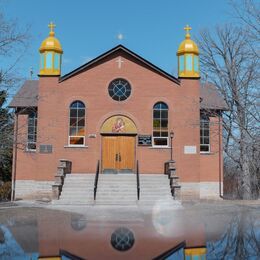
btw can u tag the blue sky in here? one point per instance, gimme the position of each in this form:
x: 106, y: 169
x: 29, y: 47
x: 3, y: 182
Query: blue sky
x: 86, y: 29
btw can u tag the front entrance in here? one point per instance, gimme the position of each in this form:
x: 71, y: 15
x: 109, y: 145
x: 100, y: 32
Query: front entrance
x: 118, y: 154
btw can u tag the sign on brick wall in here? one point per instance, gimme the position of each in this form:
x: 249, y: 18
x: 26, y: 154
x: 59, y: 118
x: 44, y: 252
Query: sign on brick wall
x: 190, y: 150
x: 145, y: 140
x: 45, y: 148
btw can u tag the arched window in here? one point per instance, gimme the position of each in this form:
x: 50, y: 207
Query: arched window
x: 77, y: 123
x: 160, y: 124
x: 204, y: 134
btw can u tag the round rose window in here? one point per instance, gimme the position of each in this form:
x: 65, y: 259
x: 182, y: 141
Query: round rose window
x: 119, y: 89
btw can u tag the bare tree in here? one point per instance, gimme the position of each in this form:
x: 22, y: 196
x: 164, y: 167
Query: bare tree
x: 13, y: 45
x: 240, y: 239
x: 248, y: 14
x: 229, y: 62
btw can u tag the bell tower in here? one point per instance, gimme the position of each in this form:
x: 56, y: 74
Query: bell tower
x: 50, y: 55
x: 188, y: 57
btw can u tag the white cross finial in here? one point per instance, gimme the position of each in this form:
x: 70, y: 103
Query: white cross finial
x: 119, y: 61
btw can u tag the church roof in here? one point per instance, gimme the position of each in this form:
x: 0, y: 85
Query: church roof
x: 27, y: 96
x: 112, y: 51
x: 211, y: 98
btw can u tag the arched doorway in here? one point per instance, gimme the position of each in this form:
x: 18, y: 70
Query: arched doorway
x: 118, y: 145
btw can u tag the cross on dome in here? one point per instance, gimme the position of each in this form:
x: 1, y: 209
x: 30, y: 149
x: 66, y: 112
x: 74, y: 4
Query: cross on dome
x: 51, y: 25
x: 187, y: 28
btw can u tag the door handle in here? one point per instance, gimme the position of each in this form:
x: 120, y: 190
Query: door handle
x: 119, y: 157
x: 116, y: 157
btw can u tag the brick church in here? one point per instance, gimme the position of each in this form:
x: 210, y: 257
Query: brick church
x: 118, y: 109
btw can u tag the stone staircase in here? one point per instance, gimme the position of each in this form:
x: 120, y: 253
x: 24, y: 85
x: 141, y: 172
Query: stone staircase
x: 77, y: 189
x: 154, y: 188
x: 115, y: 189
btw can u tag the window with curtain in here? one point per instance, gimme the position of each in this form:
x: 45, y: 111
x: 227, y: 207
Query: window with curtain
x: 32, y: 131
x: 204, y: 134
x: 77, y: 124
x: 160, y: 124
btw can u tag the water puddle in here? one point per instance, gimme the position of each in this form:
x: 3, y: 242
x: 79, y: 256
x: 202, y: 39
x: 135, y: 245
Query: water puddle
x: 202, y: 231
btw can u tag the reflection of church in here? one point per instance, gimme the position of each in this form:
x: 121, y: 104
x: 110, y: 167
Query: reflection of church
x: 118, y: 109
x: 54, y: 234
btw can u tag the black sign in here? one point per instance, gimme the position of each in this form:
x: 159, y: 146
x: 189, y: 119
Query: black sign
x: 145, y: 140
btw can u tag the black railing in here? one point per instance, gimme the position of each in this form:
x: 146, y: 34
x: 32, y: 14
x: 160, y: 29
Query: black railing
x: 137, y: 180
x: 96, y: 181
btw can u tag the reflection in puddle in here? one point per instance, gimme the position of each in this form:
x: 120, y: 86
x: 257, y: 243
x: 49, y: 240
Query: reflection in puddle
x: 78, y: 222
x: 131, y: 233
x: 9, y: 247
x: 122, y: 239
x: 239, y: 240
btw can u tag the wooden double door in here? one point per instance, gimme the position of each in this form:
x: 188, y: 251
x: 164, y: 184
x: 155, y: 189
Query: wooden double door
x: 118, y: 153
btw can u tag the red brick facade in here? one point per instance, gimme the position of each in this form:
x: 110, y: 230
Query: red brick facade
x: 90, y: 86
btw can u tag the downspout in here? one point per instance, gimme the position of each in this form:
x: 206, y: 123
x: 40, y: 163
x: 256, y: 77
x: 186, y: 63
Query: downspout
x: 219, y: 156
x: 14, y: 156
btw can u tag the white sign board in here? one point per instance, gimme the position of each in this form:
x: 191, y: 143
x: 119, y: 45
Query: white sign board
x: 190, y: 150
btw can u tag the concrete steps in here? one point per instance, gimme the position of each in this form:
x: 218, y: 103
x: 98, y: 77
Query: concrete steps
x: 115, y: 189
x: 77, y: 189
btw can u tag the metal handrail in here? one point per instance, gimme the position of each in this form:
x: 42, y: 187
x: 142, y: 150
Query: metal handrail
x: 96, y: 181
x: 137, y: 180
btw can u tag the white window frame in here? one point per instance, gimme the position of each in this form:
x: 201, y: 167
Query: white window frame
x: 77, y: 136
x: 160, y: 137
x: 76, y: 145
x: 203, y: 136
x: 35, y: 132
x: 160, y: 146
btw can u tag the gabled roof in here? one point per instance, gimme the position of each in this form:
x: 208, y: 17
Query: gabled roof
x: 27, y: 96
x: 112, y: 51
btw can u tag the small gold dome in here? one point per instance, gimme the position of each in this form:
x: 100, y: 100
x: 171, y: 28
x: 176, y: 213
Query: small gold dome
x: 188, y: 45
x: 51, y: 43
x: 188, y: 57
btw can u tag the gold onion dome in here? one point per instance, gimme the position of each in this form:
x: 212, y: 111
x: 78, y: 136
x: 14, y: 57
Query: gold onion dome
x: 51, y: 43
x: 188, y: 45
x: 188, y: 57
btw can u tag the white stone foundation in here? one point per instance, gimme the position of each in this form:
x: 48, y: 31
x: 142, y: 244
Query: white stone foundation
x: 31, y: 189
x: 210, y: 190
x: 201, y: 190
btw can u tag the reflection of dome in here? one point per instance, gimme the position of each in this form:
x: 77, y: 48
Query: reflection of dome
x: 51, y: 43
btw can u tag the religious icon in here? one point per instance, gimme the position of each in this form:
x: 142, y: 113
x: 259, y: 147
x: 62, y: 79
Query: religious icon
x: 119, y: 125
